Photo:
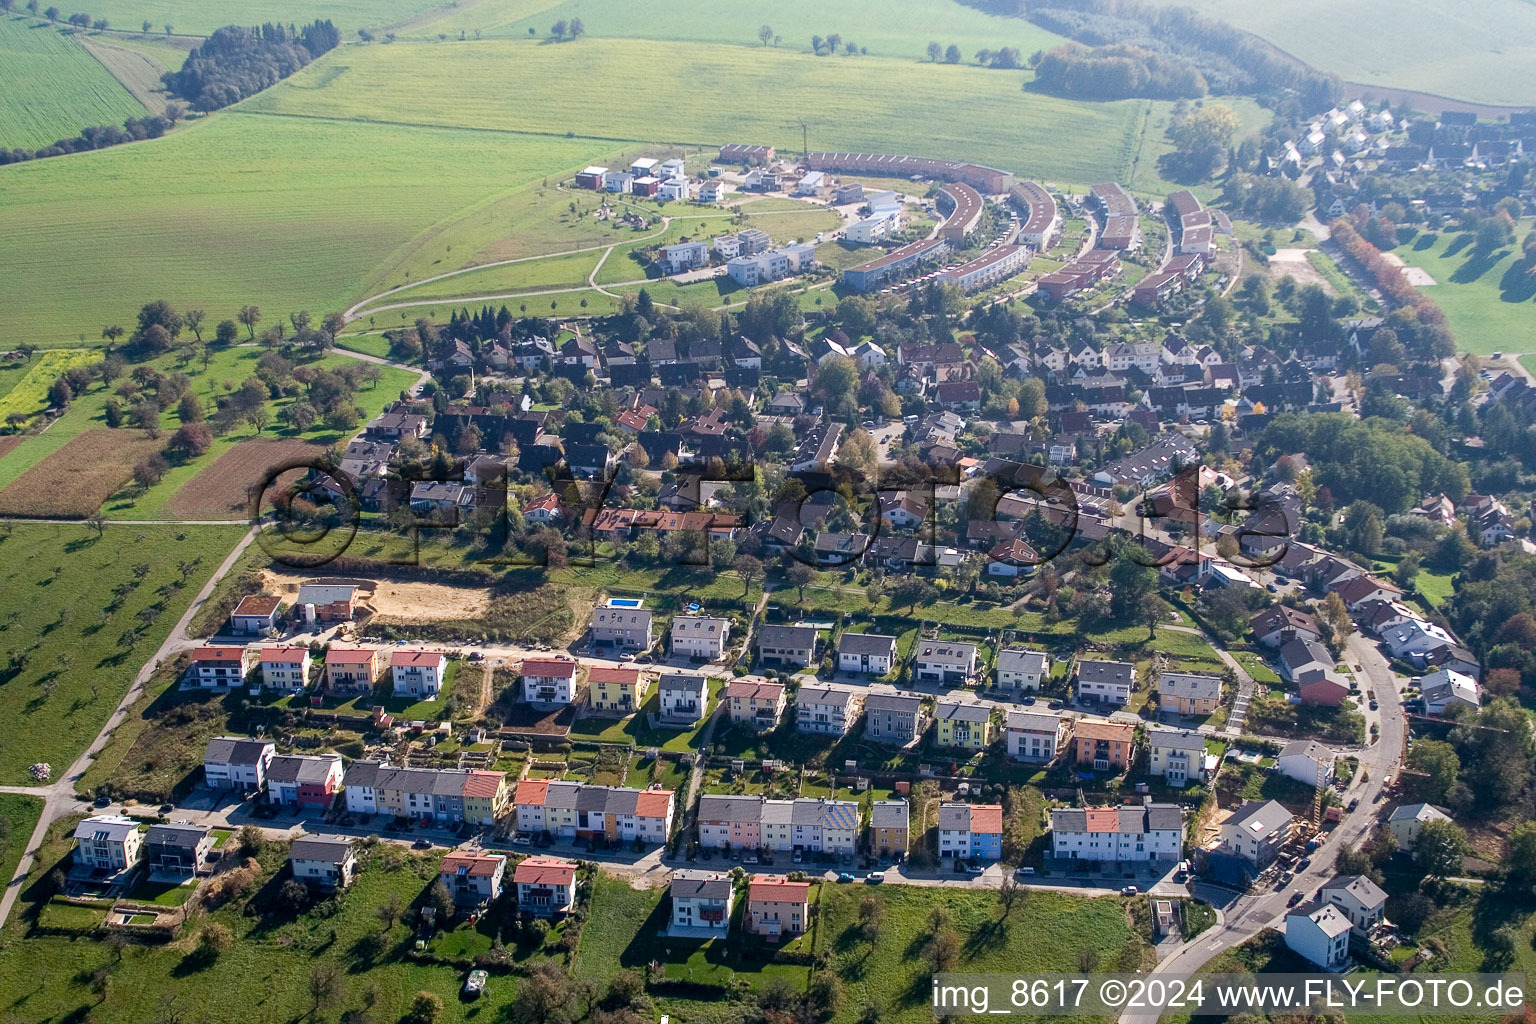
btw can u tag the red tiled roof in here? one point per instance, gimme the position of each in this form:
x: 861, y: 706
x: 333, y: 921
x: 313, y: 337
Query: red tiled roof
x: 987, y: 818
x: 218, y: 654
x: 544, y: 871
x: 552, y: 667
x: 284, y: 655
x: 1102, y: 819
x: 626, y: 676
x: 349, y: 655
x: 530, y: 793
x: 758, y: 691
x: 479, y: 865
x: 1105, y: 731
x: 653, y: 803
x: 417, y: 658
x: 483, y: 784
x: 778, y: 889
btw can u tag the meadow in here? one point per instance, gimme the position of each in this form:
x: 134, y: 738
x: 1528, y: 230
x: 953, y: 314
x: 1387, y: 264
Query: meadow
x: 1482, y: 51
x: 203, y: 17
x: 283, y: 213
x: 735, y: 93
x: 53, y: 87
x: 27, y: 393
x: 898, y: 28
x: 1489, y: 303
x: 18, y: 817
x: 79, y: 616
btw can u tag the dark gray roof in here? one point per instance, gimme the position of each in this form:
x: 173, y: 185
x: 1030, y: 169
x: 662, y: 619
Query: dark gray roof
x: 234, y: 750
x: 1260, y: 818
x: 683, y: 681
x: 325, y: 848
x: 700, y: 885
x: 726, y: 807
x: 834, y: 696
x: 893, y: 702
x: 962, y: 711
x: 1118, y: 672
x: 787, y: 636
x: 186, y: 836
x: 865, y: 643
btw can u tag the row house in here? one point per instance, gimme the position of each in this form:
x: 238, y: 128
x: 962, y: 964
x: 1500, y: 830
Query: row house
x: 427, y: 794
x: 575, y: 810
x: 808, y: 824
x: 308, y: 782
x: 1118, y: 835
x: 971, y: 831
x: 889, y: 828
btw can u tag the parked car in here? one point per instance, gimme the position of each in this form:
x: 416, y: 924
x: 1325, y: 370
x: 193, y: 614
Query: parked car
x: 1304, y: 863
x: 167, y: 808
x: 874, y: 877
x: 474, y: 984
x: 422, y: 844
x: 1375, y: 705
x: 1354, y: 803
x: 843, y: 876
x: 1296, y: 897
x: 520, y: 841
x: 1129, y: 890
x: 103, y: 801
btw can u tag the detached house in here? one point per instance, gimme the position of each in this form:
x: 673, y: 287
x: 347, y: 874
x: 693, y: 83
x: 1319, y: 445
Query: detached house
x: 1256, y: 831
x: 1036, y: 736
x: 787, y: 646
x: 700, y: 636
x: 1105, y: 682
x: 623, y: 628
x: 945, y: 661
x: 702, y: 900
x: 1363, y: 901
x: 894, y: 718
x: 829, y: 710
x: 549, y: 681
x: 971, y: 831
x: 255, y: 615
x: 546, y: 886
x: 352, y: 669
x: 219, y: 668
x: 472, y: 878
x: 1103, y: 746
x: 1020, y: 669
x: 108, y: 844
x: 417, y: 674
x: 866, y: 653
x: 1319, y: 932
x: 962, y: 725
x: 233, y: 762
x: 323, y: 862
x: 1178, y: 755
x: 285, y: 668
x: 776, y: 907
x: 1189, y: 693
x: 178, y: 848
x: 758, y: 705
x: 620, y: 690
x: 684, y: 698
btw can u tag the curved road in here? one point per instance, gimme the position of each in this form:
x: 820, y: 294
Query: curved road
x: 1247, y: 916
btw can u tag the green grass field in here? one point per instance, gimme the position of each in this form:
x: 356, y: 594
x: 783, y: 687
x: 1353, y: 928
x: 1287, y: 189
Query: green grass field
x: 53, y: 87
x: 73, y: 647
x: 900, y: 28
x: 28, y: 393
x: 1488, y: 302
x: 210, y: 217
x: 18, y: 817
x: 201, y: 18
x: 1483, y: 51
x: 735, y: 93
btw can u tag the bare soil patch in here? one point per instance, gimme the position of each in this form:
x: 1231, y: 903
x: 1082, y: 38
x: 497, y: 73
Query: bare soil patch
x: 73, y: 482
x: 398, y: 602
x: 222, y: 489
x: 8, y: 443
x: 1293, y: 263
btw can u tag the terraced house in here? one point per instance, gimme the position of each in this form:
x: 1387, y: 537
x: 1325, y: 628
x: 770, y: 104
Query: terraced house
x: 828, y: 710
x: 575, y: 810
x: 962, y: 725
x: 808, y: 824
x: 447, y: 795
x: 307, y: 782
x: 756, y: 705
x: 971, y: 831
x: 619, y: 690
x: 1151, y: 832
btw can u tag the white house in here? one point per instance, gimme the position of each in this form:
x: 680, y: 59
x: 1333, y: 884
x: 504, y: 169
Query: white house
x: 1303, y: 759
x: 684, y: 697
x: 549, y: 681
x: 324, y: 862
x: 945, y: 661
x: 1320, y: 933
x: 866, y: 653
x: 1036, y: 736
x: 1414, y: 639
x: 1362, y: 901
x: 1178, y: 755
x: 702, y: 901
x: 1020, y: 669
x: 683, y: 256
x: 700, y: 636
x: 1105, y: 682
x: 546, y: 886
x: 234, y: 762
x: 108, y: 843
x: 830, y: 710
x: 1404, y: 822
x: 418, y: 673
x: 220, y: 667
x: 1448, y: 688
x: 285, y: 668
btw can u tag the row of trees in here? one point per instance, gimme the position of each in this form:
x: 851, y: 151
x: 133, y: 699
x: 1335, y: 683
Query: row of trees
x: 134, y: 129
x: 1117, y: 72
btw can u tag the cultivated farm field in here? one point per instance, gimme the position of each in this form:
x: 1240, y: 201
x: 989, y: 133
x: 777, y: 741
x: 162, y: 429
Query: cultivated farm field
x: 882, y: 104
x: 1482, y: 51
x: 899, y: 28
x: 73, y: 481
x: 222, y: 489
x: 53, y: 87
x: 79, y: 616
x: 284, y: 213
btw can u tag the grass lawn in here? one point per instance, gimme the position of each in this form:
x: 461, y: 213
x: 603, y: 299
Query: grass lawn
x: 1436, y: 588
x: 264, y: 975
x: 890, y: 973
x: 18, y: 817
x: 161, y: 894
x: 1488, y: 302
x: 633, y: 731
x: 1478, y: 50
x: 53, y: 86
x: 74, y: 641
x: 523, y: 86
x: 200, y: 218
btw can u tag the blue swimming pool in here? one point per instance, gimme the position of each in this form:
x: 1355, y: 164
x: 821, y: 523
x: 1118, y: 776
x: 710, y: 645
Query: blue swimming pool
x: 623, y: 602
